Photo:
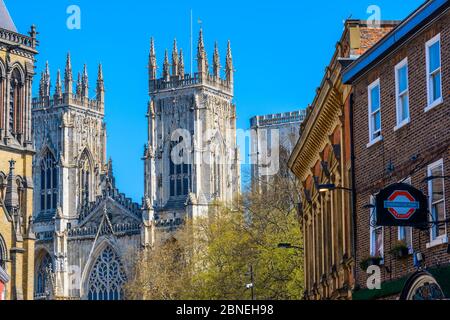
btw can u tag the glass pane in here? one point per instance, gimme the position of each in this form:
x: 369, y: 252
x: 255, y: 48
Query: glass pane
x: 435, y: 56
x: 379, y: 242
x: 185, y: 185
x: 402, y: 234
x: 438, y: 213
x: 375, y: 98
x: 404, y: 103
x: 402, y: 79
x: 376, y: 122
x: 437, y: 185
x: 179, y: 191
x: 436, y: 84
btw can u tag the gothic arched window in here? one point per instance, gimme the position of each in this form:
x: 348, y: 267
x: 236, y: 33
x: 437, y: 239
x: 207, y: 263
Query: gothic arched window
x: 42, y: 277
x: 84, y: 179
x: 49, y: 184
x: 179, y: 174
x: 107, y: 277
x: 15, y: 103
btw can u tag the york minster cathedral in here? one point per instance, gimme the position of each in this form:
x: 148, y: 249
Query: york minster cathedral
x: 66, y: 231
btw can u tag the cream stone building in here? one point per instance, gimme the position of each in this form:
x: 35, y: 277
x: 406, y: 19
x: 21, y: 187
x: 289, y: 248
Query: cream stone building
x: 17, y: 52
x: 86, y: 230
x: 191, y: 158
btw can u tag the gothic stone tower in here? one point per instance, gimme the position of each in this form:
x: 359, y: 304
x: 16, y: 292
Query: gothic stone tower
x: 191, y: 158
x: 17, y: 54
x: 70, y: 138
x: 81, y: 221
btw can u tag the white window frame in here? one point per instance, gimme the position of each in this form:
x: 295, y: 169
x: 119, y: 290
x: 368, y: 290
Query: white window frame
x: 373, y: 140
x: 398, y: 95
x: 431, y: 42
x: 373, y: 213
x: 443, y: 238
x: 407, y: 229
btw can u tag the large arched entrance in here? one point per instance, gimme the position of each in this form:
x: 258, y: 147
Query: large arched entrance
x: 107, y: 277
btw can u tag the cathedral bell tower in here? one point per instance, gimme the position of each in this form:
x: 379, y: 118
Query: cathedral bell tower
x: 191, y: 158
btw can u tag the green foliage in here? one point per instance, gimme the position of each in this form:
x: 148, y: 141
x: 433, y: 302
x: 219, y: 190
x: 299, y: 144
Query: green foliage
x: 211, y: 257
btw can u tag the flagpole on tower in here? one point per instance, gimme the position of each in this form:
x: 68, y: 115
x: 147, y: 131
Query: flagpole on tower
x: 192, y: 47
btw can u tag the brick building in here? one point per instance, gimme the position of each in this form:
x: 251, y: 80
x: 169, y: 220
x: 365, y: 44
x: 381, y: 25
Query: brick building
x: 402, y: 134
x: 322, y: 157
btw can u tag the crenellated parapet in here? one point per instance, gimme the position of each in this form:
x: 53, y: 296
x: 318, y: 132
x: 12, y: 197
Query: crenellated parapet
x: 63, y: 96
x: 173, y: 75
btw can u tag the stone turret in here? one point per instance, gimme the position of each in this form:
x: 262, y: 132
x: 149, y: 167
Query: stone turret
x: 68, y: 77
x: 229, y: 69
x: 58, y: 86
x: 100, y: 91
x: 216, y: 61
x: 85, y: 83
x: 174, y: 72
x: 202, y: 58
x: 66, y: 96
x: 152, y: 67
x: 175, y: 60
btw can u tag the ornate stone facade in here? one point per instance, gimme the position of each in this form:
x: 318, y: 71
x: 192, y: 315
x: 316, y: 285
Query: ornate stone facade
x: 17, y: 54
x: 322, y: 157
x: 85, y: 228
x: 195, y: 113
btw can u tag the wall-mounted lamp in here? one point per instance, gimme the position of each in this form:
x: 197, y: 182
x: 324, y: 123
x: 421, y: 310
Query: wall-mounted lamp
x: 331, y: 187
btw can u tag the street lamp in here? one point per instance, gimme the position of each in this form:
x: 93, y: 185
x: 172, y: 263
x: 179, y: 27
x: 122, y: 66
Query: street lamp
x: 331, y: 187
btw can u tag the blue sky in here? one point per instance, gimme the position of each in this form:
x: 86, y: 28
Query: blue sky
x: 280, y: 50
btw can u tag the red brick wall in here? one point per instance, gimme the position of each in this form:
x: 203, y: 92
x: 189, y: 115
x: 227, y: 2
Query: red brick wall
x: 423, y: 141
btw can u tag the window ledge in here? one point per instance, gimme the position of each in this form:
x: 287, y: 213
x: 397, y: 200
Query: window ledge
x: 437, y: 242
x: 375, y: 141
x: 434, y: 104
x: 403, y: 124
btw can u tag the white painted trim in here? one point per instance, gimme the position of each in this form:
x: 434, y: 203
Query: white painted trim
x: 374, y: 142
x: 438, y: 240
x: 400, y: 65
x: 428, y: 44
x: 369, y: 109
x: 372, y: 229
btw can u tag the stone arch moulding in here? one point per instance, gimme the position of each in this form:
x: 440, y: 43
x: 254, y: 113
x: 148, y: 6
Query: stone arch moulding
x: 17, y: 66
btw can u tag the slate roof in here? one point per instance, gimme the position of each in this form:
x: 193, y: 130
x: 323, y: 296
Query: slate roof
x: 5, y: 19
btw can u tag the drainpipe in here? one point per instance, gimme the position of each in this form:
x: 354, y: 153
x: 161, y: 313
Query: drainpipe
x: 352, y: 152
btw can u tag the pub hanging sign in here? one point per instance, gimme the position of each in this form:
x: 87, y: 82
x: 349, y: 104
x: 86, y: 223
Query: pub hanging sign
x: 401, y: 205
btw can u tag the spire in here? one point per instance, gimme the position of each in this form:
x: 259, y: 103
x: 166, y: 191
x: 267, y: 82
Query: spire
x: 68, y: 78
x: 216, y: 60
x: 100, y: 85
x: 5, y: 19
x: 202, y: 60
x: 175, y: 58
x: 58, y: 86
x: 45, y: 89
x: 181, y: 64
x: 85, y: 83
x: 152, y: 67
x: 229, y: 65
x: 166, y: 67
x: 79, y: 85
